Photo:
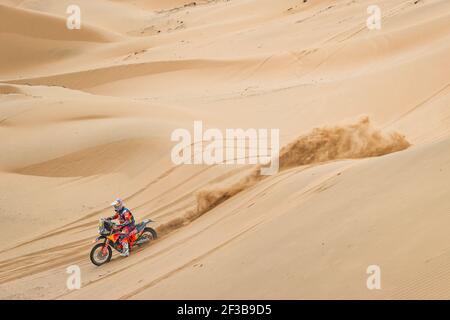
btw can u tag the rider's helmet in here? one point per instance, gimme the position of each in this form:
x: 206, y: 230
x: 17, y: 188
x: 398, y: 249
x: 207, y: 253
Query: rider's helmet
x: 117, y: 204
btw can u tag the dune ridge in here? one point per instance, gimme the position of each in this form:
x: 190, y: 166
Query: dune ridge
x: 350, y: 141
x: 23, y: 22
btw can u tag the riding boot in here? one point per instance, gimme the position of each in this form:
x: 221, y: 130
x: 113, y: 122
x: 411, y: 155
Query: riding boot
x: 125, y: 249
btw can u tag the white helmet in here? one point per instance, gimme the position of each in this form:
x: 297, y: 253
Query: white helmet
x: 117, y: 204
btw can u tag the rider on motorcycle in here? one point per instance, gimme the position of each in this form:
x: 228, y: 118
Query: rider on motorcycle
x: 126, y: 225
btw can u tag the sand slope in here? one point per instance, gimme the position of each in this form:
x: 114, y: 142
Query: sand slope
x: 86, y: 116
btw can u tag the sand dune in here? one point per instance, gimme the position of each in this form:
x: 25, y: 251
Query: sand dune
x: 24, y: 22
x: 351, y: 141
x: 86, y: 116
x: 36, y: 38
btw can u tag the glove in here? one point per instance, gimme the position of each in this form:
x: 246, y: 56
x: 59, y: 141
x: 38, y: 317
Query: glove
x: 123, y: 224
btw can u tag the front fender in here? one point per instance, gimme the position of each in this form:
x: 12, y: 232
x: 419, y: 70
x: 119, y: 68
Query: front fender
x: 98, y: 239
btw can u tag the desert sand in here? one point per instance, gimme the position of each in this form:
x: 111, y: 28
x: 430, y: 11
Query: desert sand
x: 86, y: 116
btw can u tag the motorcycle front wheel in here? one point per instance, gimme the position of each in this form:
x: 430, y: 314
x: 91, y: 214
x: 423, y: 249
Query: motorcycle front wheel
x: 98, y: 257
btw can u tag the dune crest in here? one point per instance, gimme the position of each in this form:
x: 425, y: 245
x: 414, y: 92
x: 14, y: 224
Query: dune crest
x: 352, y: 141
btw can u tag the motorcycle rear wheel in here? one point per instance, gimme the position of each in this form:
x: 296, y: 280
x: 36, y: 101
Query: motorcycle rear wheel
x: 97, y: 257
x: 147, y: 235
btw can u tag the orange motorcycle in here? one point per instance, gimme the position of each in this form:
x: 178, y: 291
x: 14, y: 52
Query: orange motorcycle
x: 101, y: 253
